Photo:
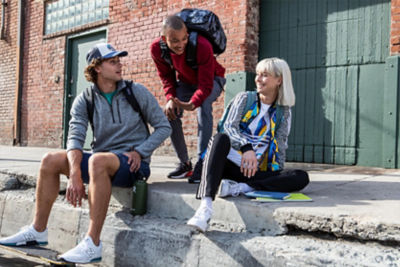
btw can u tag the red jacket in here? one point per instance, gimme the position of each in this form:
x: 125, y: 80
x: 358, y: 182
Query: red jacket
x: 203, y: 77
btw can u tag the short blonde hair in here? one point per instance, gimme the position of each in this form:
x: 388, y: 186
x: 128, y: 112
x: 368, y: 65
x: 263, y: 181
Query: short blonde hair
x: 279, y: 68
x: 90, y: 72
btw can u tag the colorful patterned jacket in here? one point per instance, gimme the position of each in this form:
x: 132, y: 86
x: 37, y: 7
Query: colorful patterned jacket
x: 233, y: 129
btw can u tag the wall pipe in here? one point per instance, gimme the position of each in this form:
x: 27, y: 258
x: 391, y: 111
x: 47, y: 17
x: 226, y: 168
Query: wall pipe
x: 3, y: 20
x: 19, y: 76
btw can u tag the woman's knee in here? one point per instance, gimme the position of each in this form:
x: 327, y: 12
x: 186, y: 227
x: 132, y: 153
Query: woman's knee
x: 302, y: 177
x: 222, y: 138
x: 219, y: 144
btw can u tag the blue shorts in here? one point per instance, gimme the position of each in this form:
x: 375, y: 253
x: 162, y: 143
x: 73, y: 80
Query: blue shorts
x: 123, y: 177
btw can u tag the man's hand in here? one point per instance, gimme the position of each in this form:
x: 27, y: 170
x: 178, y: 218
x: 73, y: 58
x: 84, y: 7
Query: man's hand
x: 184, y: 105
x: 134, y: 159
x: 249, y: 163
x: 171, y: 109
x: 75, y: 190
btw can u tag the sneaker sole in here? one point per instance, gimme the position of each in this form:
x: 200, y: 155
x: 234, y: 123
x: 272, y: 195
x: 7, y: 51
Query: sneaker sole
x: 96, y: 260
x: 193, y: 181
x: 30, y: 243
x: 199, y: 228
x: 219, y: 193
x: 182, y: 176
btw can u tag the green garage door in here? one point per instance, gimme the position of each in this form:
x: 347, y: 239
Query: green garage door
x: 337, y: 50
x: 77, y: 48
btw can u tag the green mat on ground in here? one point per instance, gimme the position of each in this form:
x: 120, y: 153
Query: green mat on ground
x: 291, y: 198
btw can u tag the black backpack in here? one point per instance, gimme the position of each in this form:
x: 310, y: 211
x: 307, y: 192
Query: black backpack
x: 130, y: 97
x: 198, y: 21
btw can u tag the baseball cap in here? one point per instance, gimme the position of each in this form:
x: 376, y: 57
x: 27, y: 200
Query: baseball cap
x: 103, y: 51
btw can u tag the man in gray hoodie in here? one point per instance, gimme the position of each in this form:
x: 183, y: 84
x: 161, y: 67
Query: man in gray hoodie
x: 121, y: 153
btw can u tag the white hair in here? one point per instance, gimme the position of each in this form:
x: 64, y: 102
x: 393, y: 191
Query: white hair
x: 279, y: 68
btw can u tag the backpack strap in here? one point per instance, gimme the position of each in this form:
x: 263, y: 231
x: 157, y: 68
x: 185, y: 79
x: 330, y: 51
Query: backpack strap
x: 88, y: 95
x: 279, y: 115
x: 251, y: 97
x: 89, y: 98
x: 165, y: 53
x: 130, y: 97
x: 220, y: 126
x: 191, y: 50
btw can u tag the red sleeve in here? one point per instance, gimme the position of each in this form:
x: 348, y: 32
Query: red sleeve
x: 165, y: 72
x: 205, y: 72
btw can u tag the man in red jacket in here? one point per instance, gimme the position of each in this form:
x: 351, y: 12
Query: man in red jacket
x: 187, y: 88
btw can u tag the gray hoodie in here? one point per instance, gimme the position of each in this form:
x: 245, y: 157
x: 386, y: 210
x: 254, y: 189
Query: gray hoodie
x: 117, y: 127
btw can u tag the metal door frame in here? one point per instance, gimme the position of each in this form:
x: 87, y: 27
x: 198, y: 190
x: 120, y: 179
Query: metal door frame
x: 67, y: 72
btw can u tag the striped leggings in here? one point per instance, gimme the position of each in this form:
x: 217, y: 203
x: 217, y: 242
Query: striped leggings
x: 216, y: 167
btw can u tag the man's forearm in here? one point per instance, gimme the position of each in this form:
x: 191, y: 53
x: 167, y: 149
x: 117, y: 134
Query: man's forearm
x: 74, y: 161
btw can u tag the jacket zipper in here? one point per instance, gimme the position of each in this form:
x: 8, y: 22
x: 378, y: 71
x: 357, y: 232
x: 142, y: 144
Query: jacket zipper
x: 119, y: 114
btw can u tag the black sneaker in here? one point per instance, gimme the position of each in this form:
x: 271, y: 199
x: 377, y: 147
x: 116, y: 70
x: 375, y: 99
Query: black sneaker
x: 182, y: 171
x: 196, y: 176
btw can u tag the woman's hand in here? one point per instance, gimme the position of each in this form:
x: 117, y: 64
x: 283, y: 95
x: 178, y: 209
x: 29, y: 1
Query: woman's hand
x: 249, y: 164
x: 134, y: 159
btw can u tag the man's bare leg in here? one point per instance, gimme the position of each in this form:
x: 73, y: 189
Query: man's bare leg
x: 52, y: 165
x: 102, y: 166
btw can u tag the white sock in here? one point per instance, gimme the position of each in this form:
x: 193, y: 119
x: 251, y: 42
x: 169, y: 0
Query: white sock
x: 207, y: 202
x: 244, y: 188
x: 33, y: 227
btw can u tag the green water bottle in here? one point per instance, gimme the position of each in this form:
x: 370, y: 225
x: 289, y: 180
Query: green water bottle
x: 139, y: 198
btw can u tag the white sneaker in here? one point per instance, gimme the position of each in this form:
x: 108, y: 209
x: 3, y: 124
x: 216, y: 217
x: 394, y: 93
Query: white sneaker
x: 201, y: 219
x: 229, y: 188
x: 26, y: 236
x: 85, y: 252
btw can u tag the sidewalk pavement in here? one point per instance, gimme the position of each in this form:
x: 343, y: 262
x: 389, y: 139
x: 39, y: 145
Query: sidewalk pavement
x: 352, y: 201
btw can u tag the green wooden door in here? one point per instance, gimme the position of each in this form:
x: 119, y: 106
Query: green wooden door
x: 337, y: 51
x: 76, y: 82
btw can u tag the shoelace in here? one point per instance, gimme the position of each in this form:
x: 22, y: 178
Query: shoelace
x: 28, y: 235
x: 84, y: 246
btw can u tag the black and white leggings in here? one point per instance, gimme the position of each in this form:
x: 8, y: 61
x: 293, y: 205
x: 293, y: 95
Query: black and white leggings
x: 216, y: 166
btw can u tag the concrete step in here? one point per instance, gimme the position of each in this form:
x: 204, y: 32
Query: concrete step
x: 157, y: 241
x: 348, y: 201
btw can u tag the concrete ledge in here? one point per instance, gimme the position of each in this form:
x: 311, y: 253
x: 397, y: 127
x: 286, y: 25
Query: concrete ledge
x: 235, y: 215
x: 153, y: 241
x: 349, y: 201
x: 370, y: 221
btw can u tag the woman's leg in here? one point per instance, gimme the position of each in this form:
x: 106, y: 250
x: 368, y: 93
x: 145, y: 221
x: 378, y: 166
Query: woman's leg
x: 213, y: 165
x: 213, y: 168
x: 280, y: 181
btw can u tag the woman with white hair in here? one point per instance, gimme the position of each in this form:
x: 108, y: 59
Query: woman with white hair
x: 250, y: 148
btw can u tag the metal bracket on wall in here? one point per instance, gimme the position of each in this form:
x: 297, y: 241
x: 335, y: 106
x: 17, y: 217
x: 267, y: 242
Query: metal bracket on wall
x: 3, y: 14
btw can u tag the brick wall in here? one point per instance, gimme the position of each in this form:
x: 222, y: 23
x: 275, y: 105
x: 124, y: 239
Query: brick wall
x: 8, y: 49
x: 132, y: 26
x: 395, y: 28
x: 42, y: 97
